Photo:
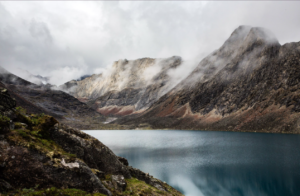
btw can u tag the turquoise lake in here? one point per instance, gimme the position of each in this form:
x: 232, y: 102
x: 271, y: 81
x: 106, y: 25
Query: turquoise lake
x: 212, y: 163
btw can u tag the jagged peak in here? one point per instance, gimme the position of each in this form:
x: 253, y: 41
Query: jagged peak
x: 170, y: 60
x: 246, y: 36
x: 261, y: 34
x: 236, y: 37
x: 242, y: 29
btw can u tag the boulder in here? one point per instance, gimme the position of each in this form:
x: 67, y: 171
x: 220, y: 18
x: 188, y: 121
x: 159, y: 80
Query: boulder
x: 94, y: 153
x: 119, y: 182
x: 123, y: 160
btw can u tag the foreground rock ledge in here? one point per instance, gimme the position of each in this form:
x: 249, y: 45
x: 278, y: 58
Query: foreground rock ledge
x: 38, y: 153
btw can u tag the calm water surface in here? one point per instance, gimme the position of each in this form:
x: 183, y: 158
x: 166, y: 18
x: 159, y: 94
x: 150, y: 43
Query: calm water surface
x: 212, y: 163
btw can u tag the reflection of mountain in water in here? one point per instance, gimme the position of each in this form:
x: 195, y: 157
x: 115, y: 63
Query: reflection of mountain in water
x: 213, y: 163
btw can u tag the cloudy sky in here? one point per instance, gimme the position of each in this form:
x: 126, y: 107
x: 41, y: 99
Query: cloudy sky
x: 65, y: 40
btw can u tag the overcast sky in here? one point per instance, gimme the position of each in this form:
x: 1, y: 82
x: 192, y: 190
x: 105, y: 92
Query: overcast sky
x: 65, y: 40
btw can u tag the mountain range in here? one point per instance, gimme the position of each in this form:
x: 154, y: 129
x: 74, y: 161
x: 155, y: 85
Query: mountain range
x: 251, y: 83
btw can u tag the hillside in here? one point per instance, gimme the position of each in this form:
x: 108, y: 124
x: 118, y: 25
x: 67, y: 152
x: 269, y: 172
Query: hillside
x: 43, y: 99
x: 41, y: 156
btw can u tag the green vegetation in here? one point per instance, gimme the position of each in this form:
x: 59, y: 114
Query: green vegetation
x: 51, y: 192
x: 37, y: 136
x: 4, y: 119
x: 21, y: 110
x: 34, y: 140
x: 141, y: 188
x: 137, y: 187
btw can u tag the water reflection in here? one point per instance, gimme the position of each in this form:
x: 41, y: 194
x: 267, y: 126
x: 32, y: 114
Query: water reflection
x: 213, y: 163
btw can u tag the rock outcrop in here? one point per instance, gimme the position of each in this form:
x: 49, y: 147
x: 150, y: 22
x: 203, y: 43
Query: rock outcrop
x: 40, y: 153
x: 119, y: 182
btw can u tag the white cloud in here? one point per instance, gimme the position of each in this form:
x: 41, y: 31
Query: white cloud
x: 47, y: 38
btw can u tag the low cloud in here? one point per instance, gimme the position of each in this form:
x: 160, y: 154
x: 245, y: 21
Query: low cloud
x: 48, y: 38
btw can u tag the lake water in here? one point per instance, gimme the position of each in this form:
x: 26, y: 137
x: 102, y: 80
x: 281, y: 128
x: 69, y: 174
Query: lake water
x: 212, y: 163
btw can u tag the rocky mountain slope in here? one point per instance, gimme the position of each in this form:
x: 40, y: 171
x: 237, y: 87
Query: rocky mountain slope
x: 251, y: 83
x: 128, y: 87
x: 43, y: 99
x: 40, y: 156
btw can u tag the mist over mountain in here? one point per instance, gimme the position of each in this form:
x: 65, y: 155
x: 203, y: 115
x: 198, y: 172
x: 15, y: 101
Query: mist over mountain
x: 83, y: 77
x: 128, y: 86
x: 47, y: 99
x: 160, y: 82
x: 251, y: 83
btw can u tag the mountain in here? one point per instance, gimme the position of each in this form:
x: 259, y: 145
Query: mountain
x: 130, y: 86
x: 35, y: 79
x: 43, y: 99
x: 251, y: 83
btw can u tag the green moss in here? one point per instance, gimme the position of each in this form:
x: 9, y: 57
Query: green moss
x: 24, y: 119
x: 51, y: 192
x: 4, y: 121
x: 23, y: 133
x: 137, y: 187
x: 35, y: 140
x: 21, y: 110
x: 19, y: 125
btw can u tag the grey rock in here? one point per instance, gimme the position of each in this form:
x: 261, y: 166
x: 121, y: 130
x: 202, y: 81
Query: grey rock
x: 119, y: 182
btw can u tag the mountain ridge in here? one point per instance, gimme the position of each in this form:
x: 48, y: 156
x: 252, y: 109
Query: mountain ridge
x: 249, y: 84
x: 43, y: 99
x: 257, y: 89
x: 128, y: 87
